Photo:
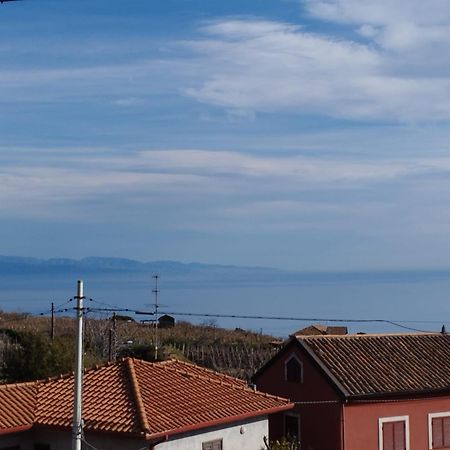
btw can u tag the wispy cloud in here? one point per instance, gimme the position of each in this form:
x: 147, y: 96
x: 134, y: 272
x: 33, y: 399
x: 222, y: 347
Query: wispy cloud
x: 396, y: 71
x: 395, y: 25
x: 271, y: 66
x: 264, y: 185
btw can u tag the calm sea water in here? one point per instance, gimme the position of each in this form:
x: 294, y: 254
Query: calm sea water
x: 420, y: 304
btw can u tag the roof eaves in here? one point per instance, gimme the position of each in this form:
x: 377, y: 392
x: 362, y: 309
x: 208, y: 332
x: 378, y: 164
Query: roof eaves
x: 222, y: 421
x: 324, y: 368
x: 397, y: 395
x: 137, y: 397
x: 13, y: 430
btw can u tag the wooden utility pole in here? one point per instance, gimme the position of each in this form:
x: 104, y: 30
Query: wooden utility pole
x: 52, y: 332
x: 112, y: 340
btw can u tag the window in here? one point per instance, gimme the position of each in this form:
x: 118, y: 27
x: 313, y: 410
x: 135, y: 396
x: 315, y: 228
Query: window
x: 393, y: 433
x: 439, y: 430
x: 294, y: 370
x: 292, y: 427
x: 212, y: 445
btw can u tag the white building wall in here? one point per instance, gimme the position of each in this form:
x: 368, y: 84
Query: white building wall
x: 248, y: 435
x: 60, y: 440
x: 245, y: 435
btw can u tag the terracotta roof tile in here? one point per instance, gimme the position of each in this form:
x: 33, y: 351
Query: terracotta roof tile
x: 17, y: 405
x: 108, y: 402
x: 382, y: 364
x: 316, y: 330
x: 178, y: 395
x: 137, y: 397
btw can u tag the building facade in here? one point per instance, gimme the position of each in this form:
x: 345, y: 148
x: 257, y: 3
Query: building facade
x: 133, y: 404
x: 371, y: 392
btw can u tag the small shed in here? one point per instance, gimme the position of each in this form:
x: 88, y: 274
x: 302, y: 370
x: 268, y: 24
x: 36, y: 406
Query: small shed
x: 166, y: 321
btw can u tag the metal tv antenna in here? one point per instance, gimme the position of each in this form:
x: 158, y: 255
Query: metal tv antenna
x: 156, y: 292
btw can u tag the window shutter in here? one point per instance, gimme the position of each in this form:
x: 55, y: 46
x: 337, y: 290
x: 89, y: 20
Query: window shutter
x: 437, y: 431
x: 394, y: 435
x: 399, y: 436
x: 446, y: 431
x: 388, y: 436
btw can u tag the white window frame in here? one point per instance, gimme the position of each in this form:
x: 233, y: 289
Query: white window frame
x: 431, y: 416
x: 383, y: 420
x: 293, y: 356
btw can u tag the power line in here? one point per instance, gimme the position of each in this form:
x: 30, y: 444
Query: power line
x: 396, y: 323
x: 115, y: 308
x: 296, y: 319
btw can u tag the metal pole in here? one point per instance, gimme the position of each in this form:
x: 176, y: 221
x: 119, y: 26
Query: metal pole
x: 156, y: 292
x: 77, y: 426
x: 114, y: 346
x: 53, y: 322
x: 110, y: 338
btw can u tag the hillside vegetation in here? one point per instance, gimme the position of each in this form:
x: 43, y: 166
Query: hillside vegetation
x: 28, y: 352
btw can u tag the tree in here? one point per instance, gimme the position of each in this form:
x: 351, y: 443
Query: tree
x: 138, y: 351
x: 283, y: 444
x: 31, y: 356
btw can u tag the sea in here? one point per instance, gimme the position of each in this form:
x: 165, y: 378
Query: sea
x: 373, y: 303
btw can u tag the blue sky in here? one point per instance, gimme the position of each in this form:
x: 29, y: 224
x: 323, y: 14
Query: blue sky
x: 301, y: 134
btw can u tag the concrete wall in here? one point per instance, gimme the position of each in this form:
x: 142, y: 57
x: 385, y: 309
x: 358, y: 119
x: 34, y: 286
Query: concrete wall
x: 320, y: 424
x: 61, y: 440
x: 247, y: 435
x: 362, y: 421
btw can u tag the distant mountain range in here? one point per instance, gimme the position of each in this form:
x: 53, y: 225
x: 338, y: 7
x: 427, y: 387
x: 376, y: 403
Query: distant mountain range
x: 13, y: 265
x: 196, y: 272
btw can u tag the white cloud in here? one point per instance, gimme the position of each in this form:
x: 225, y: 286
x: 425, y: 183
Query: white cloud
x: 64, y: 182
x: 394, y: 24
x: 396, y: 72
x: 250, y: 64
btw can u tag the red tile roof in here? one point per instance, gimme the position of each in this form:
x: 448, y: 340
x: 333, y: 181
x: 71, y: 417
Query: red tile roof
x: 317, y: 329
x: 374, y: 365
x: 138, y: 398
x: 17, y: 406
x: 108, y: 402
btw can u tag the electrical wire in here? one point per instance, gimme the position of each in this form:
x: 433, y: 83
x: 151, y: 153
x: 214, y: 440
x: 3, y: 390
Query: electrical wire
x: 398, y: 324
x: 115, y: 308
x: 88, y: 444
x: 108, y: 305
x: 298, y: 319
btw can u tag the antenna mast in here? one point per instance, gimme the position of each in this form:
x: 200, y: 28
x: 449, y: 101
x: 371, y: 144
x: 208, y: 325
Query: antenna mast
x: 156, y: 292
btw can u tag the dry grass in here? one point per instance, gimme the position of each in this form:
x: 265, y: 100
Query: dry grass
x: 237, y: 352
